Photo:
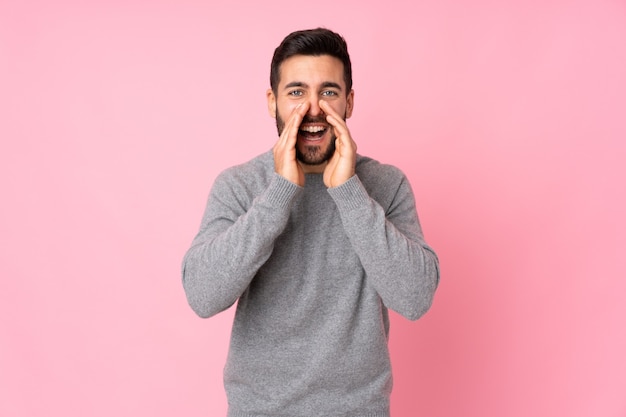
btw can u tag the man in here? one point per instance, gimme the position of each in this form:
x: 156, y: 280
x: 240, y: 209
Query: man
x: 315, y: 242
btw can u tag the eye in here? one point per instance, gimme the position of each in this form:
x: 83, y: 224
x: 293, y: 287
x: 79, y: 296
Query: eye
x: 329, y: 93
x: 296, y: 93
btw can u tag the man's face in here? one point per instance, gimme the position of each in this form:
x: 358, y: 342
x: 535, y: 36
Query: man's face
x: 305, y: 78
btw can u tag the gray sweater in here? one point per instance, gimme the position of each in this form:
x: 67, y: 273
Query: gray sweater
x: 314, y: 270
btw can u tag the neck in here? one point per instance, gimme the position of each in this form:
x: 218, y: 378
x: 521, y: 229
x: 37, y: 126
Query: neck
x: 313, y: 169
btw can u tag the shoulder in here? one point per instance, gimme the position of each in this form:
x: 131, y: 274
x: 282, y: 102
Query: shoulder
x: 384, y: 183
x: 255, y: 171
x: 246, y: 180
x: 372, y: 171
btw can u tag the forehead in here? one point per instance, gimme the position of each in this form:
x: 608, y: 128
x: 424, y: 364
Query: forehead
x: 311, y: 70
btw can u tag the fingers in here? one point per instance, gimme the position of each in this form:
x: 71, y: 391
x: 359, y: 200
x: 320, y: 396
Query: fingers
x: 344, y: 139
x: 341, y: 166
x: 332, y: 116
x: 338, y: 124
x: 287, y: 140
x: 285, y: 162
x: 290, y: 131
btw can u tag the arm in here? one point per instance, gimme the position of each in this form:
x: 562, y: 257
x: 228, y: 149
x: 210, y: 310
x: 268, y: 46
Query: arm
x: 236, y: 238
x: 389, y: 242
x: 234, y: 241
x: 401, y: 267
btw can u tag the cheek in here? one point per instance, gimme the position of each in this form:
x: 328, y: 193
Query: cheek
x: 285, y: 109
x: 340, y: 108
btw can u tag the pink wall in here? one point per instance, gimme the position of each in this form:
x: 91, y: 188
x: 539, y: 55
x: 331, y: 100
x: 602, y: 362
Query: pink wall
x: 509, y: 118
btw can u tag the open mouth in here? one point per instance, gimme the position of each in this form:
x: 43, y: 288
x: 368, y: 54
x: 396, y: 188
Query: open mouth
x: 312, y: 132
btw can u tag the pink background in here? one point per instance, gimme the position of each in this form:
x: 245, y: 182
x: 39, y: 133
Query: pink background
x: 509, y: 117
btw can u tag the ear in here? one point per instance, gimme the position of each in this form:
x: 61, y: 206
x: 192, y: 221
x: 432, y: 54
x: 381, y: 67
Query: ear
x: 271, y: 103
x: 349, y: 104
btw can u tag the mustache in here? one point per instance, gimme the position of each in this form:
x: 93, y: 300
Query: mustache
x: 314, y: 119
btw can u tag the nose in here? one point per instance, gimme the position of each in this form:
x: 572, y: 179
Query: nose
x: 314, y: 108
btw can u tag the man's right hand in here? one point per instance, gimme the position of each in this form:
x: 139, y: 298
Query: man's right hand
x: 285, y: 162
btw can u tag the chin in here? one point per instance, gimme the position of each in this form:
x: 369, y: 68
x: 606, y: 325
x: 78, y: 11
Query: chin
x: 315, y: 155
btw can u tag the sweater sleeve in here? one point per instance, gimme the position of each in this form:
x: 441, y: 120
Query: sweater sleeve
x: 403, y: 269
x: 234, y: 241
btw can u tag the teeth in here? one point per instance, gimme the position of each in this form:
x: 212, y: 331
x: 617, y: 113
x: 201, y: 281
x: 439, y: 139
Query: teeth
x: 312, y: 129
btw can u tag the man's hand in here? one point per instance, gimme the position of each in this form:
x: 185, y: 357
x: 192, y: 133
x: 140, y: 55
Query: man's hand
x: 285, y: 163
x: 342, y: 164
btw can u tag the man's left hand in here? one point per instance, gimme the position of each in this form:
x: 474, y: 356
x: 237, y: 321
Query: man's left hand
x: 341, y: 166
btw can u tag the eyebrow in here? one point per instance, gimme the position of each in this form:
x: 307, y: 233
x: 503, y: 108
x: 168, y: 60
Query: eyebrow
x: 325, y: 84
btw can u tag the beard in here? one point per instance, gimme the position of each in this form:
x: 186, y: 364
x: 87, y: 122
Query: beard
x: 311, y: 154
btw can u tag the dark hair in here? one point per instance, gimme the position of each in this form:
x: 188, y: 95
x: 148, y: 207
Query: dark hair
x: 315, y: 42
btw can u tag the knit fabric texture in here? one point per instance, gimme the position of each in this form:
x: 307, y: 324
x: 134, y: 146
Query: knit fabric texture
x: 313, y: 271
